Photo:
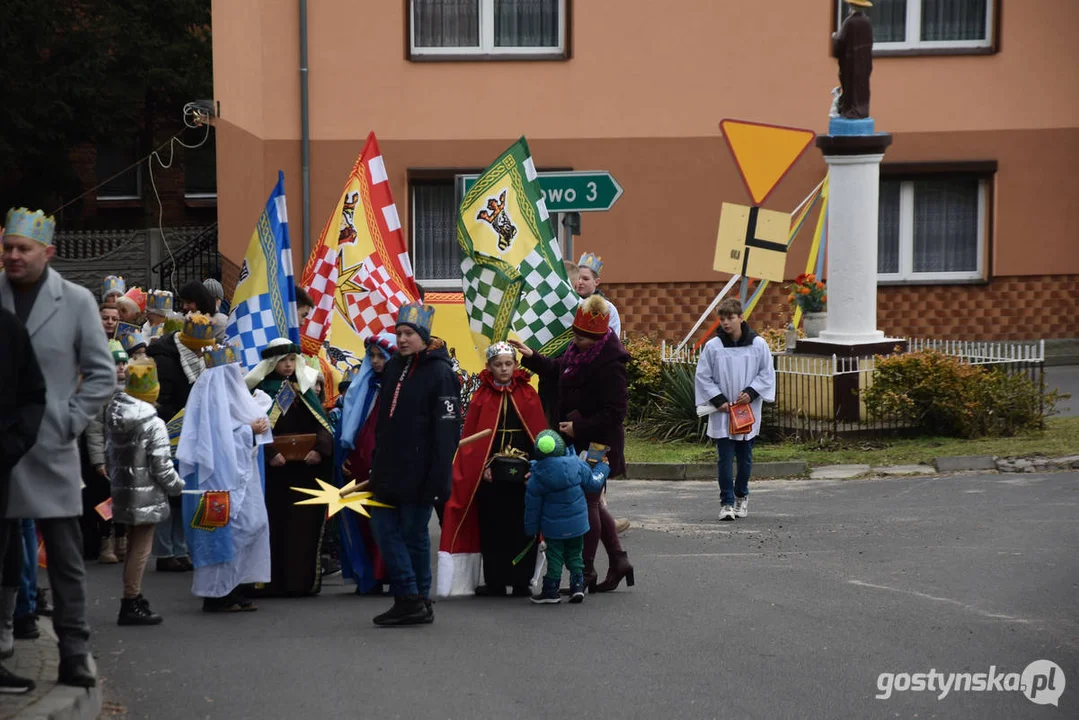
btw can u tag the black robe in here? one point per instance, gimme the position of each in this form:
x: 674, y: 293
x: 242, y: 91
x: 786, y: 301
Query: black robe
x: 296, y: 530
x: 854, y: 50
x: 501, y: 508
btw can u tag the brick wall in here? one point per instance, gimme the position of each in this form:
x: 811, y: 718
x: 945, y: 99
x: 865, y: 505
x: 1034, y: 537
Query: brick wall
x: 1006, y: 308
x: 230, y: 274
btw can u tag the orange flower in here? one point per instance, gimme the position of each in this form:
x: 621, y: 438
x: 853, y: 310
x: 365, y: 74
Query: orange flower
x: 824, y: 298
x: 803, y: 291
x: 811, y: 278
x: 790, y: 298
x: 820, y: 286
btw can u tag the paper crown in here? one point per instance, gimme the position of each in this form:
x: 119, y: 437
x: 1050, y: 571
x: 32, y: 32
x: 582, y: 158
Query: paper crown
x: 501, y: 348
x: 591, y: 261
x: 33, y: 225
x: 138, y: 296
x: 550, y: 444
x: 119, y: 355
x: 157, y: 331
x: 142, y: 379
x: 130, y: 336
x: 159, y: 302
x: 415, y: 314
x: 220, y: 355
x: 199, y: 327
x: 593, y: 317
x: 112, y: 284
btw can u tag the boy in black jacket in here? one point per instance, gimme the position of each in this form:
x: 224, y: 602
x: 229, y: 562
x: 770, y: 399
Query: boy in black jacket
x: 419, y: 425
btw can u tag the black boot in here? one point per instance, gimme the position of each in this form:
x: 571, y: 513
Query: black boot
x: 136, y: 611
x: 12, y: 684
x: 43, y: 608
x: 406, y: 610
x: 26, y: 628
x: 576, y: 587
x: 75, y: 671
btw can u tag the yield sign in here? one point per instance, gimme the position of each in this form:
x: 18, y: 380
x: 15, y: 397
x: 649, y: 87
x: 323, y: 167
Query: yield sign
x: 764, y: 153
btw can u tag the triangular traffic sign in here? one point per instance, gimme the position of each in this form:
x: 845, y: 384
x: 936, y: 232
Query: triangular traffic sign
x: 764, y: 153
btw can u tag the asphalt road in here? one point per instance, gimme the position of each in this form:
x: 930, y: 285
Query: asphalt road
x: 793, y: 612
x: 1065, y: 378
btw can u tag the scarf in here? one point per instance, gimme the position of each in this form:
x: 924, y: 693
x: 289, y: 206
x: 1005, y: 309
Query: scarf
x: 191, y: 362
x: 575, y: 359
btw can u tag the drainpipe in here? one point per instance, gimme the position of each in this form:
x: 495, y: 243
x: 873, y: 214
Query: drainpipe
x: 305, y: 134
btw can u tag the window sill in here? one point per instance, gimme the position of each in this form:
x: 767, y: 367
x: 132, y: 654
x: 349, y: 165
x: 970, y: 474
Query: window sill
x: 439, y: 285
x: 934, y: 51
x: 554, y: 55
x: 119, y: 202
x: 201, y: 201
x: 932, y: 281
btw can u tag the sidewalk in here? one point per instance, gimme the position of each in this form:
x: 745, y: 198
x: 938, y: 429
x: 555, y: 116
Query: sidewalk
x: 40, y: 661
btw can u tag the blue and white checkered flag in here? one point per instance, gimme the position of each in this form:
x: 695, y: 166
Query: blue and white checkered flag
x: 264, y: 303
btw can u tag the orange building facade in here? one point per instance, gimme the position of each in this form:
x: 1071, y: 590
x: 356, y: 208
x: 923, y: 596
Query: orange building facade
x: 979, y: 236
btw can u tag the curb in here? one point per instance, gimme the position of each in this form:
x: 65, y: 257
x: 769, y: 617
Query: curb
x: 63, y: 702
x: 707, y: 471
x: 961, y: 463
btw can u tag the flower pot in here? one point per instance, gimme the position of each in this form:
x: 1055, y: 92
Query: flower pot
x: 814, y: 323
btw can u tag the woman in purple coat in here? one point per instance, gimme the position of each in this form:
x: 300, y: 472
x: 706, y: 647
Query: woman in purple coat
x: 591, y: 377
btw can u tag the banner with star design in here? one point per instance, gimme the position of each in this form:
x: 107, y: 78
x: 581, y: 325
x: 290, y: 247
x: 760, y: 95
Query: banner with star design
x: 359, y: 273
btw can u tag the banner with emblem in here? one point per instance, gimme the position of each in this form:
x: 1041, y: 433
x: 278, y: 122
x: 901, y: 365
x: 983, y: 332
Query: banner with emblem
x: 264, y: 302
x: 359, y: 273
x: 512, y: 272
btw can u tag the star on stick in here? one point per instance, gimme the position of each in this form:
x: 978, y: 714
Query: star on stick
x: 330, y: 496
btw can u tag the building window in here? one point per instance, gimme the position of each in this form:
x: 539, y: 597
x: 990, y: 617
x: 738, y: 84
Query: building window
x: 929, y: 24
x: 496, y: 28
x: 200, y: 170
x: 118, y: 161
x: 435, y: 252
x: 932, y: 228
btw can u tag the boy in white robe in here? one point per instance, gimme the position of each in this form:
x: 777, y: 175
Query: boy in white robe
x: 224, y: 427
x: 736, y: 368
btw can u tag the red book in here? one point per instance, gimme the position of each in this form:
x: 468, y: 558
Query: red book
x: 741, y: 419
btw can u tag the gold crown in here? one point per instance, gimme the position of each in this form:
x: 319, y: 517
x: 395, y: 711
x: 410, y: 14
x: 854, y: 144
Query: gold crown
x: 142, y: 378
x: 220, y: 355
x: 199, y: 327
x: 31, y: 224
x: 591, y: 261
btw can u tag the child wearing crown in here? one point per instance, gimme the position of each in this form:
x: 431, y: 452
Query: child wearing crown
x: 302, y: 451
x: 225, y: 511
x: 139, y: 465
x: 484, y: 516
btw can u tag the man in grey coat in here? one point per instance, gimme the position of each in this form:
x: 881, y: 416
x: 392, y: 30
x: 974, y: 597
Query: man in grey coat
x: 74, y: 356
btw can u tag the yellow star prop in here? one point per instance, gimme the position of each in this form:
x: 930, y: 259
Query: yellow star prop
x: 347, y: 285
x: 331, y: 497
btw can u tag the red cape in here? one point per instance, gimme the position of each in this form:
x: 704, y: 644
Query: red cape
x: 460, y: 521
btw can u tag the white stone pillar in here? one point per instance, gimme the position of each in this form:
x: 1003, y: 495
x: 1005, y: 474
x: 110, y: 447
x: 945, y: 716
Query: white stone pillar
x: 853, y: 205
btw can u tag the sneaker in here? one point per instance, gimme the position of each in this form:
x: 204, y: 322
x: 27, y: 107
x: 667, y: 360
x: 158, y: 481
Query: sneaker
x: 726, y: 512
x: 741, y: 507
x: 12, y: 684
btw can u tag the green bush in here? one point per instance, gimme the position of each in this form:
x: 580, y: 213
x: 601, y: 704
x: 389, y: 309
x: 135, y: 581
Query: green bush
x: 941, y: 395
x: 643, y: 371
x: 673, y: 415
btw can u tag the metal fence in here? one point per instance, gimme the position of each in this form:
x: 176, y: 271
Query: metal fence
x: 820, y: 396
x: 197, y: 259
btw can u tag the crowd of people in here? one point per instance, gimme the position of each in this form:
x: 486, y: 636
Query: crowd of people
x: 130, y: 430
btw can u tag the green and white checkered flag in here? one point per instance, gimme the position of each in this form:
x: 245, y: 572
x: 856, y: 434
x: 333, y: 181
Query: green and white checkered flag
x: 513, y: 276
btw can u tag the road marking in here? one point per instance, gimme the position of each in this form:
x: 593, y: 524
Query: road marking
x: 926, y: 596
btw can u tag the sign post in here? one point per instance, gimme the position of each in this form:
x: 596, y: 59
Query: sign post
x: 570, y: 191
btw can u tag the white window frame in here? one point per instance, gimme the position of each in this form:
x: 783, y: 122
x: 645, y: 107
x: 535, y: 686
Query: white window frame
x: 487, y: 45
x: 906, y: 240
x: 913, y: 40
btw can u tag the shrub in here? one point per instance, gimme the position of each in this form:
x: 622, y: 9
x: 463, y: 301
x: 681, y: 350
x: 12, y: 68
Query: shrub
x: 941, y: 395
x: 643, y: 371
x: 673, y: 415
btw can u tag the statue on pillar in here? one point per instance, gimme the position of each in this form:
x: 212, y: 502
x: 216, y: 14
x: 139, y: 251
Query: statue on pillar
x: 853, y: 46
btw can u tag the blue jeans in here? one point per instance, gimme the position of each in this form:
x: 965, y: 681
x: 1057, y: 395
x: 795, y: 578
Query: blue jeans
x: 729, y: 486
x: 169, y: 539
x: 403, y: 539
x: 26, y: 604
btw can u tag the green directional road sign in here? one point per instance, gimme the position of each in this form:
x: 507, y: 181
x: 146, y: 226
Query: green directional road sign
x: 572, y: 191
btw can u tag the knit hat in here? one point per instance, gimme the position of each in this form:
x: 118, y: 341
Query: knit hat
x: 215, y: 288
x: 119, y: 355
x: 549, y: 444
x: 142, y: 380
x: 593, y: 317
x: 418, y: 317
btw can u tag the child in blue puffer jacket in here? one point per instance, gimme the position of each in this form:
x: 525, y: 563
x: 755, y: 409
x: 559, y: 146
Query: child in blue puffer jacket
x: 555, y: 505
